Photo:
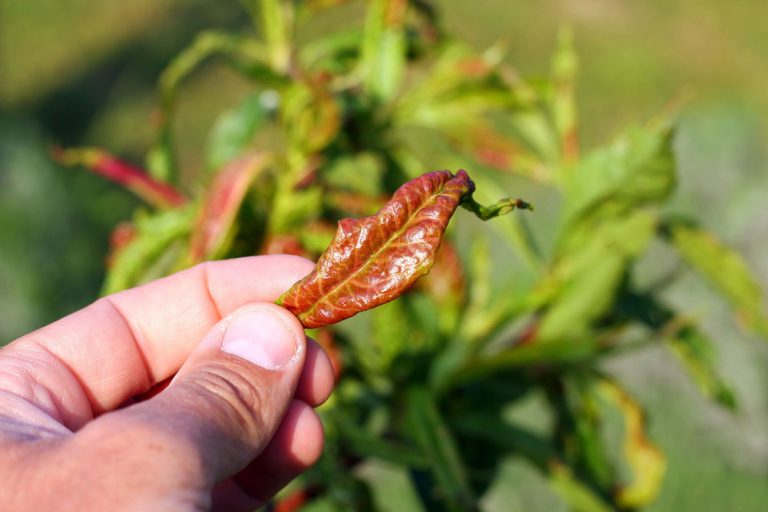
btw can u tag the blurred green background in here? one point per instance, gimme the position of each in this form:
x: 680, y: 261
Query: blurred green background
x: 83, y: 72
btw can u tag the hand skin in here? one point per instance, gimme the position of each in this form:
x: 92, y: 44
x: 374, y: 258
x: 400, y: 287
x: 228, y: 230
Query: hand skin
x: 88, y: 420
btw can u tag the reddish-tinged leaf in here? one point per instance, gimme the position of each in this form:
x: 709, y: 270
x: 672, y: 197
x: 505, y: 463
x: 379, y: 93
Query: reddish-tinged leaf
x: 226, y: 195
x: 155, y: 193
x: 374, y: 259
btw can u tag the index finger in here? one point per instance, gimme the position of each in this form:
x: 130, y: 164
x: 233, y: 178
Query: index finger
x: 121, y: 345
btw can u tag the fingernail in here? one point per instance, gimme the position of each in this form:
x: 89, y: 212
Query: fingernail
x: 259, y: 336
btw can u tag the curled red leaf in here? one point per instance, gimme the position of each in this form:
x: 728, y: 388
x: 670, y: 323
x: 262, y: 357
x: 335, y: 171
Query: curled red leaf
x: 155, y: 193
x: 223, y: 201
x: 374, y: 259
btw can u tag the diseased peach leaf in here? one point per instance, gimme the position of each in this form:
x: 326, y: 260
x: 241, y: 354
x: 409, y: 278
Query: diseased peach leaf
x: 373, y: 260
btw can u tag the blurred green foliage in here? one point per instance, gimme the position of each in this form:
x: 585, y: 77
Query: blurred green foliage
x: 533, y: 398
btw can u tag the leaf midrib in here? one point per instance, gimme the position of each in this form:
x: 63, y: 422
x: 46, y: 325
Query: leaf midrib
x: 373, y: 257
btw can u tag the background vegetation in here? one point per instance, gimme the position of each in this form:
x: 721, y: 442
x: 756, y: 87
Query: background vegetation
x: 84, y: 73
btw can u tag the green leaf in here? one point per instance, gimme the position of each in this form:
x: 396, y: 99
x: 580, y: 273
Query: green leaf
x: 336, y: 53
x: 724, y: 269
x: 235, y: 129
x: 684, y: 339
x: 154, y: 238
x: 430, y: 434
x: 310, y: 114
x: 293, y: 209
x: 638, y: 169
x: 361, y: 173
x: 384, y: 46
x: 491, y: 428
x: 584, y: 428
x: 366, y: 444
x: 566, y: 352
x: 696, y: 352
x: 586, y: 277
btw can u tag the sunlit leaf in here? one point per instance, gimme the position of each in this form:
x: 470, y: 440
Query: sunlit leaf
x: 372, y: 260
x: 724, y: 269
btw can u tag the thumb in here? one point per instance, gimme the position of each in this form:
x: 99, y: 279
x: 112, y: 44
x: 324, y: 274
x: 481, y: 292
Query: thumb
x: 224, y: 405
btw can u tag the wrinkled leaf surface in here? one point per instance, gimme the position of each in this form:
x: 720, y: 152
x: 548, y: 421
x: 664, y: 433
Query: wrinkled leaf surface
x: 374, y: 259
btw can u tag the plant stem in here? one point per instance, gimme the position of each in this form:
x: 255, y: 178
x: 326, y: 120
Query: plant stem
x: 502, y: 207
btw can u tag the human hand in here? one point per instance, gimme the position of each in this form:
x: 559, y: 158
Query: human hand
x: 86, y: 422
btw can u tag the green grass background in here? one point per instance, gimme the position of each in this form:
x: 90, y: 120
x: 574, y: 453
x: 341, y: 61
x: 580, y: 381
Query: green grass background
x: 83, y: 72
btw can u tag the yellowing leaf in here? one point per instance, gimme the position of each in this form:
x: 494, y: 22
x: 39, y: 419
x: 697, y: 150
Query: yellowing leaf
x: 647, y: 462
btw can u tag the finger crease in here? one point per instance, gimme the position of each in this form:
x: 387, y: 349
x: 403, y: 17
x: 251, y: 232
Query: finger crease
x: 209, y: 291
x: 136, y: 340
